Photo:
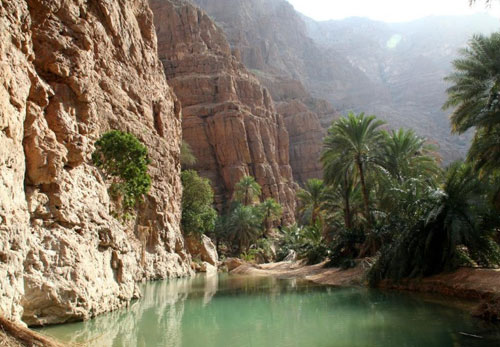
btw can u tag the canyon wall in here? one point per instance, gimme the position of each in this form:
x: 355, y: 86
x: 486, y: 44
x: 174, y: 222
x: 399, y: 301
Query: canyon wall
x: 271, y: 39
x: 71, y: 70
x: 392, y: 70
x: 229, y: 119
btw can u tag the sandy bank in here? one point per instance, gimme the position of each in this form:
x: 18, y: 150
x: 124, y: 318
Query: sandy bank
x: 479, y: 285
x: 315, y: 273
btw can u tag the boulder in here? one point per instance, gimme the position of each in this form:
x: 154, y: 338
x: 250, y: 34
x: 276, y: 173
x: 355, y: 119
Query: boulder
x: 233, y: 263
x: 203, y: 248
x: 209, y: 269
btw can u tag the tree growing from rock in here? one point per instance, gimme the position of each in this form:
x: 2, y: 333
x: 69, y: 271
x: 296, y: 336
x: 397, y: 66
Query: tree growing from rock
x: 124, y: 160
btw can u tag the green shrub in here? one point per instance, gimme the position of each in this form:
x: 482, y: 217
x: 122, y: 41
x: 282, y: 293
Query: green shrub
x: 307, y: 242
x: 124, y: 159
x: 198, y: 215
x: 345, y: 247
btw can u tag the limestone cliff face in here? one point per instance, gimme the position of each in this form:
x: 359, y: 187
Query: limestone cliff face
x: 306, y: 136
x: 270, y: 38
x: 71, y: 70
x: 229, y: 118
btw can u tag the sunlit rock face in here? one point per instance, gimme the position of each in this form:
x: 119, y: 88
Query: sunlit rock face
x: 229, y: 119
x: 271, y: 40
x: 71, y: 70
x: 202, y: 248
x: 392, y: 70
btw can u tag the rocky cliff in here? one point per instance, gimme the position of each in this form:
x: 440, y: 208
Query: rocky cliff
x: 71, y: 70
x: 392, y: 70
x: 272, y: 41
x: 229, y: 119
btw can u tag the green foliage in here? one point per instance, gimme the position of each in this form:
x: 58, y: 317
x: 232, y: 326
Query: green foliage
x: 475, y: 97
x: 187, y: 156
x: 311, y: 200
x: 124, y: 159
x: 247, y: 191
x: 345, y: 247
x: 306, y: 241
x: 418, y: 220
x: 405, y: 155
x: 353, y: 143
x: 244, y: 226
x: 454, y: 224
x: 264, y: 250
x: 271, y: 212
x: 198, y: 215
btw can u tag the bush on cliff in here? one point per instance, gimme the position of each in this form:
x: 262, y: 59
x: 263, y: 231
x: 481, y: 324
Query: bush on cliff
x: 124, y: 159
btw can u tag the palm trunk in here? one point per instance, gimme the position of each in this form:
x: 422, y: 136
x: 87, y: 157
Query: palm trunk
x: 314, y: 216
x: 365, y: 192
x: 347, y: 206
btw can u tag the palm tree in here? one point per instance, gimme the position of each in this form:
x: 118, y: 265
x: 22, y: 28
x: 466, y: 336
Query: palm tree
x: 271, y: 212
x: 244, y: 226
x: 405, y: 155
x: 247, y: 190
x: 312, y: 198
x: 475, y: 96
x: 341, y: 196
x: 353, y: 141
x: 485, y: 150
x: 455, y: 217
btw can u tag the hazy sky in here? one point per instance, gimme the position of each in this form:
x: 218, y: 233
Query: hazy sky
x: 388, y: 10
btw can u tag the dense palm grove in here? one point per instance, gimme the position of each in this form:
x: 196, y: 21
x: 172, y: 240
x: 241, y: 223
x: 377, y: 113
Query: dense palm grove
x: 384, y: 195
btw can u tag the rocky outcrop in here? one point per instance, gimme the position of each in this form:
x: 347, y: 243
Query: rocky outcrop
x: 202, y: 247
x: 228, y: 118
x: 306, y: 136
x: 71, y: 70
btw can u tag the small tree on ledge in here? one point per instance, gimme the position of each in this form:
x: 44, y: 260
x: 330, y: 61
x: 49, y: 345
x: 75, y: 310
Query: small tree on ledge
x: 124, y: 159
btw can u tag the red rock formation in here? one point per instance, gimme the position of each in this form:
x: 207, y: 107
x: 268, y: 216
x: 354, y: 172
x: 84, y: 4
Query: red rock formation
x: 306, y: 135
x: 71, y: 70
x: 271, y: 39
x: 228, y: 118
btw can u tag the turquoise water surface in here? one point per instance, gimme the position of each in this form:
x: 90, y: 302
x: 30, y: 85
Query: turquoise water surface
x: 228, y: 310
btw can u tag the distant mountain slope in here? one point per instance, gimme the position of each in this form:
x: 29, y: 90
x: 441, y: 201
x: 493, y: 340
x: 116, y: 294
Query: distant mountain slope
x: 407, y: 61
x: 392, y: 70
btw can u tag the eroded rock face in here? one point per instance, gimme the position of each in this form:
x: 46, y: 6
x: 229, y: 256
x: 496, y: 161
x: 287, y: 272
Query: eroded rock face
x: 229, y: 119
x: 202, y: 247
x: 271, y: 39
x: 70, y: 71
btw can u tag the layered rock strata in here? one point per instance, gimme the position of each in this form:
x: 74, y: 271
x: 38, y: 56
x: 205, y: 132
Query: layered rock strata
x: 71, y: 70
x: 228, y: 118
x: 270, y: 38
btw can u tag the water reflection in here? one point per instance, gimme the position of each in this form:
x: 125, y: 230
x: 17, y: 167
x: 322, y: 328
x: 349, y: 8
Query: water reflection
x: 258, y: 311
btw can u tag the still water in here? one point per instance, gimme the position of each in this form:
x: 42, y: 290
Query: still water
x: 242, y: 311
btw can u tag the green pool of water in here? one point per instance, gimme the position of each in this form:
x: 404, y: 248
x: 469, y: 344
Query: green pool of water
x: 252, y: 311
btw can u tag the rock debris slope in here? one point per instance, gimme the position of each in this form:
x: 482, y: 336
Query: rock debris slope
x: 229, y: 119
x: 71, y: 70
